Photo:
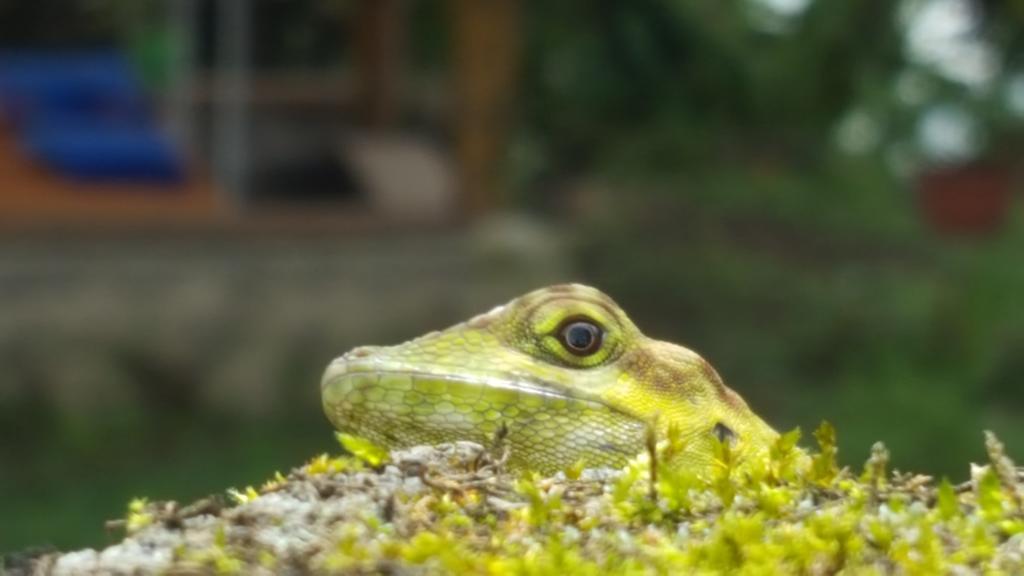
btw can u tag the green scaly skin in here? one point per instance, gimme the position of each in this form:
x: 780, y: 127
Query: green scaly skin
x: 509, y: 373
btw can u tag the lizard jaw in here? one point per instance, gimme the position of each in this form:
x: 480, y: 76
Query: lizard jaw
x: 397, y: 406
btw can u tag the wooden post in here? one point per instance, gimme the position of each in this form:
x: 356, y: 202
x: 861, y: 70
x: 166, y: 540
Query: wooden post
x: 379, y: 45
x: 487, y: 44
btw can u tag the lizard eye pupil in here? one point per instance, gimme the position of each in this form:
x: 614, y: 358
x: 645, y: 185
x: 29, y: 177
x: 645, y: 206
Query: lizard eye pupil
x: 723, y: 433
x: 581, y: 338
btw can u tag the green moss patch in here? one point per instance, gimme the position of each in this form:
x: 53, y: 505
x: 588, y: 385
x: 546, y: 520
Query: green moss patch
x: 455, y: 508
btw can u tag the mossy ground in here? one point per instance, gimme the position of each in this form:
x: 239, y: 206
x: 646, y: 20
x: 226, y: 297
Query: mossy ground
x: 456, y: 509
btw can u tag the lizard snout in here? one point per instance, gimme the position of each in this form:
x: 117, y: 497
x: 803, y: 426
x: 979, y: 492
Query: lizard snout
x: 337, y: 367
x: 355, y: 360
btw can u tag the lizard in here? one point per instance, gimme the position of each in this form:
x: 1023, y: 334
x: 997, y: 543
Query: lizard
x: 561, y: 374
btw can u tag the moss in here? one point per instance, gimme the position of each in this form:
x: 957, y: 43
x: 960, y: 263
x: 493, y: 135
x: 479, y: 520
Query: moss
x: 791, y: 511
x: 366, y: 451
x: 138, y: 515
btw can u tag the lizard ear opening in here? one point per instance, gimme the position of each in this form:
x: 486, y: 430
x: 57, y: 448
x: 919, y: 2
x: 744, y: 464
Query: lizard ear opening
x: 723, y: 433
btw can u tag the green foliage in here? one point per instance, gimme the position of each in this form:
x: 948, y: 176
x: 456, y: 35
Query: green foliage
x: 824, y: 468
x: 655, y: 82
x: 138, y: 515
x: 366, y: 451
x: 575, y: 469
x: 783, y: 456
x: 948, y: 505
x: 990, y: 495
x: 875, y: 469
x: 544, y: 507
x: 721, y: 479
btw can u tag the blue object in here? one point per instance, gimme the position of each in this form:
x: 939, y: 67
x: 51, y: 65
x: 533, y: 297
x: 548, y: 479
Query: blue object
x: 85, y: 115
x: 90, y: 83
x: 108, y: 153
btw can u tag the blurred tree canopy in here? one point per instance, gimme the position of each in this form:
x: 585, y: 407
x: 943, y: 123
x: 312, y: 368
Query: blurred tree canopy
x: 663, y: 84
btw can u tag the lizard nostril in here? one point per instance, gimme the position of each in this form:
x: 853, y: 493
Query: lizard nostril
x: 362, y: 351
x: 723, y: 433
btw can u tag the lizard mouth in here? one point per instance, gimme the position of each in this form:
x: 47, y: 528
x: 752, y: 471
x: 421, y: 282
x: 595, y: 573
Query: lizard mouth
x: 371, y: 372
x: 397, y: 405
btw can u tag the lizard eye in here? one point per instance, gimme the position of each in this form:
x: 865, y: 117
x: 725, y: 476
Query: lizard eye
x: 723, y: 433
x: 581, y: 337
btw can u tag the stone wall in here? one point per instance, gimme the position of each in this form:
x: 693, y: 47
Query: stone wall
x: 242, y: 321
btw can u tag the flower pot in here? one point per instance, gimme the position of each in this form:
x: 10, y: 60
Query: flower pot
x: 964, y: 200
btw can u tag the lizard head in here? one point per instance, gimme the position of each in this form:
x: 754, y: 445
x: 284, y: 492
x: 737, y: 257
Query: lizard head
x: 595, y: 349
x: 562, y: 373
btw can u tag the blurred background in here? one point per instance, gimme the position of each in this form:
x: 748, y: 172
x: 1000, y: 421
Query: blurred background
x: 204, y: 201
